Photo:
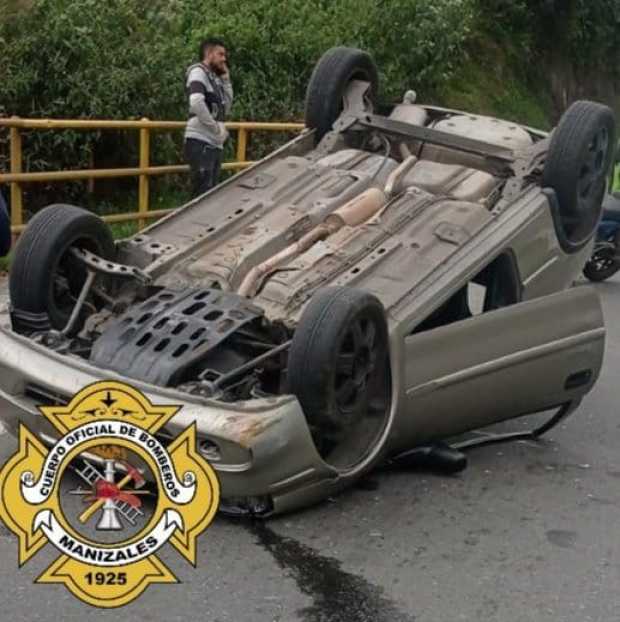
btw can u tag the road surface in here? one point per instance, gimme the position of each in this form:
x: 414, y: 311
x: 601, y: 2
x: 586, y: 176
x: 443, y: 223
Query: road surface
x: 529, y: 532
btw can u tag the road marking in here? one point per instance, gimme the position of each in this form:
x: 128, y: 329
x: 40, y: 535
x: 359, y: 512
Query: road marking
x: 2, y: 429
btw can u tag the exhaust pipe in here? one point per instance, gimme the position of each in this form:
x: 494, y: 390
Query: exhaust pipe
x: 355, y: 212
x: 358, y: 210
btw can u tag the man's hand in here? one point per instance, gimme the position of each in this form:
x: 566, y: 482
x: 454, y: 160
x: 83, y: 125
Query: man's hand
x: 225, y: 75
x: 223, y: 132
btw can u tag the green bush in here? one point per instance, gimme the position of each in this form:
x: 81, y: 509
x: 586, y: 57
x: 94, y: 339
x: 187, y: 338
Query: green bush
x: 594, y: 32
x: 116, y: 60
x: 126, y: 59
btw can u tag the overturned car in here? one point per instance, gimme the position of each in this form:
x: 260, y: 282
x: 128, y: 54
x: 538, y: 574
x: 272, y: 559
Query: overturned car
x: 381, y: 282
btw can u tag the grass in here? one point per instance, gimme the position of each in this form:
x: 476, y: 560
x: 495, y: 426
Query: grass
x: 122, y: 230
x: 119, y: 230
x: 487, y: 82
x: 5, y: 262
x: 167, y: 198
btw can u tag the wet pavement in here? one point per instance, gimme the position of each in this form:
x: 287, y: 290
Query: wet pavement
x: 529, y: 532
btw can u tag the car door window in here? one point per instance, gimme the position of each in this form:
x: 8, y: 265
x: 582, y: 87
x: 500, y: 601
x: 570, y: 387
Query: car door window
x: 494, y: 287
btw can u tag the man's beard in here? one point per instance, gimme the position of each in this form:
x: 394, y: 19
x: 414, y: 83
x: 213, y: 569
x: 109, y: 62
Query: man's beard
x: 218, y: 70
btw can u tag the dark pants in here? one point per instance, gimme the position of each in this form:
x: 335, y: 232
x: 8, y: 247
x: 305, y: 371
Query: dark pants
x: 204, y: 163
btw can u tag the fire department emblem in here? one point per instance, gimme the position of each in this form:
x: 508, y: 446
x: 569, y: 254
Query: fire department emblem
x: 108, y: 494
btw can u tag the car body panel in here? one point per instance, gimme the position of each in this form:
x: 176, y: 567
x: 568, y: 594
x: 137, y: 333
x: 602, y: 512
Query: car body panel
x: 515, y: 361
x: 265, y: 446
x: 249, y: 437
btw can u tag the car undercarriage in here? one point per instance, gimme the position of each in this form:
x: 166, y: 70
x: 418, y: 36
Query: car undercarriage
x: 323, y: 269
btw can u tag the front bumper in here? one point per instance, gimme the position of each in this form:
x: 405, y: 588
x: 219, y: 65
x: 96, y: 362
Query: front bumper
x: 259, y: 449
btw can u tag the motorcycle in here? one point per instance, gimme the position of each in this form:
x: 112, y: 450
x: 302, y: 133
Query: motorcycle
x: 605, y: 259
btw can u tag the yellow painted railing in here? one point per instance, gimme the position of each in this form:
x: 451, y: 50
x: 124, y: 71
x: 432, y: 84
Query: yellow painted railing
x: 16, y: 177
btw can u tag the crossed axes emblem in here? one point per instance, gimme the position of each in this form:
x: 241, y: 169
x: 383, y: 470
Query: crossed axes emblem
x: 111, y: 497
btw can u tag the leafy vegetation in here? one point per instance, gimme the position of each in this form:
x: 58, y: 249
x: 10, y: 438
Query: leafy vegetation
x: 127, y: 59
x: 93, y: 59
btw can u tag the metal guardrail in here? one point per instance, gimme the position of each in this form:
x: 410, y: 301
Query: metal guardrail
x: 16, y: 177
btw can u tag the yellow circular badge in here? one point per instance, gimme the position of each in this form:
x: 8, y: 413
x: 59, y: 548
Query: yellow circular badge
x: 134, y: 494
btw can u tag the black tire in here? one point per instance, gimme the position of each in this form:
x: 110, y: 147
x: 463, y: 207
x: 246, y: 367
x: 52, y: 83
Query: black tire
x: 41, y: 257
x: 603, y: 263
x: 596, y: 274
x: 580, y: 154
x: 327, y: 335
x: 327, y: 86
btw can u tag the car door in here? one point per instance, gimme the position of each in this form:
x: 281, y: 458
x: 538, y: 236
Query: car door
x: 524, y: 358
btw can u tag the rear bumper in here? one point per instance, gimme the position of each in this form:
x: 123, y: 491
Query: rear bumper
x: 259, y: 449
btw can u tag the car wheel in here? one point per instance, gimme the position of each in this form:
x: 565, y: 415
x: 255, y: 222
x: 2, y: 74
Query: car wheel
x: 338, y: 360
x: 45, y: 277
x: 328, y: 84
x: 576, y: 167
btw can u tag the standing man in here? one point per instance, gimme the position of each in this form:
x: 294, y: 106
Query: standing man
x: 210, y: 99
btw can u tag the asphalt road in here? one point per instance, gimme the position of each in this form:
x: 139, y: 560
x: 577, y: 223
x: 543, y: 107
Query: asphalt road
x: 529, y: 532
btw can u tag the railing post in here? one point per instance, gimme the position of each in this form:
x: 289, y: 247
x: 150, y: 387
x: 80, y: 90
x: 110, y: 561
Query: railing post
x: 17, y: 217
x: 242, y: 144
x: 143, y: 192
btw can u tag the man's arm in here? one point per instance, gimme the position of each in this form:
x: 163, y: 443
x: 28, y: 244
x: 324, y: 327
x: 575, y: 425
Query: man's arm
x: 228, y: 92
